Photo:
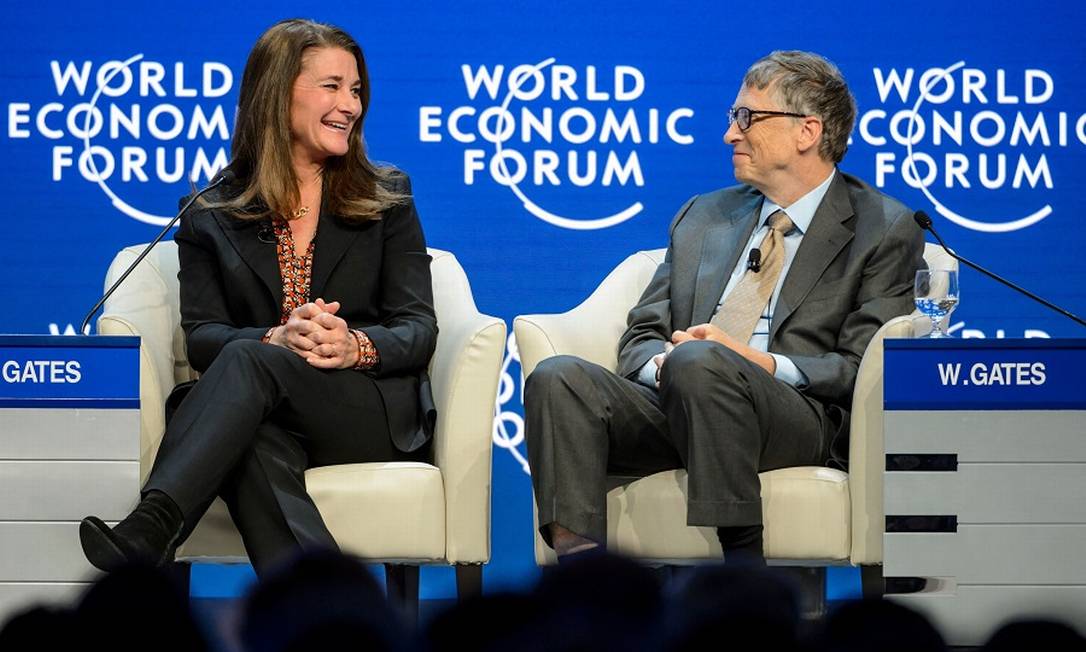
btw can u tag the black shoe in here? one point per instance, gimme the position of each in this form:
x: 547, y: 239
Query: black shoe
x: 149, y: 535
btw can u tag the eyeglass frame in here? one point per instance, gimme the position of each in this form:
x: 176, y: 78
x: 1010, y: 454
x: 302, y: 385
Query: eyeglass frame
x: 733, y: 116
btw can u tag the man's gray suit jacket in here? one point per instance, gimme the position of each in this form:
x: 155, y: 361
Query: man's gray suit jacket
x: 853, y: 271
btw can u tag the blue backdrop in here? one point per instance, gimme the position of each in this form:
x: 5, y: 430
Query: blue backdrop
x: 617, y: 112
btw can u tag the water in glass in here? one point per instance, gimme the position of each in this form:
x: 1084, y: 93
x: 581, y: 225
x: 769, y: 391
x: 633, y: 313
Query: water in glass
x: 936, y: 295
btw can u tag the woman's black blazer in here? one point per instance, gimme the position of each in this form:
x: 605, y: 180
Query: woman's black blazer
x: 378, y: 270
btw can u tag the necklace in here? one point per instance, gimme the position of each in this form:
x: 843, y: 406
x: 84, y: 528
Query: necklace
x: 299, y: 212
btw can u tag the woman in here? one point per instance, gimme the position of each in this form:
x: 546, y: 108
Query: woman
x: 307, y: 308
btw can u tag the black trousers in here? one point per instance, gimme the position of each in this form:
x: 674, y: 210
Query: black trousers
x: 716, y: 414
x: 248, y: 430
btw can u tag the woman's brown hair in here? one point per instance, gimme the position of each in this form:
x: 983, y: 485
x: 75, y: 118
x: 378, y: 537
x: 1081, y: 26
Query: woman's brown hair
x: 353, y: 187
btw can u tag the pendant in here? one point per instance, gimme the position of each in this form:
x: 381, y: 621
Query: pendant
x: 299, y: 212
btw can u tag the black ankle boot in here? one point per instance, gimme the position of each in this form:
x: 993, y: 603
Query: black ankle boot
x: 742, y: 545
x: 149, y: 535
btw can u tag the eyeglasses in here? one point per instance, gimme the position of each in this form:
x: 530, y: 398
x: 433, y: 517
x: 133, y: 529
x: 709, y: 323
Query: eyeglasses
x: 744, y: 116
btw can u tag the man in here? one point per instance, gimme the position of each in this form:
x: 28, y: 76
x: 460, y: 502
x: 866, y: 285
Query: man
x: 742, y: 353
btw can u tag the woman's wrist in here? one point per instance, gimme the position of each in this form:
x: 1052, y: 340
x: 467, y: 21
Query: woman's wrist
x: 367, y: 357
x: 356, y: 356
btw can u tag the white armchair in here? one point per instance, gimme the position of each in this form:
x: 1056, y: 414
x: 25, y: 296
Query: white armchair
x: 811, y: 514
x: 403, y: 514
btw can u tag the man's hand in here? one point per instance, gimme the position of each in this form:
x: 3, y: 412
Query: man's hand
x: 715, y: 334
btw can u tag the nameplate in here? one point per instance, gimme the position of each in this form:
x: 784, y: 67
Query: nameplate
x: 69, y: 371
x: 984, y: 374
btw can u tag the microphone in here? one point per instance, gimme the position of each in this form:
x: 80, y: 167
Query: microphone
x: 266, y: 234
x: 924, y: 222
x: 754, y: 260
x: 226, y: 176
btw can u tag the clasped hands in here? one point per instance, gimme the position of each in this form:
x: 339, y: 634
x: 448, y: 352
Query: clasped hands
x: 714, y: 334
x: 314, y: 332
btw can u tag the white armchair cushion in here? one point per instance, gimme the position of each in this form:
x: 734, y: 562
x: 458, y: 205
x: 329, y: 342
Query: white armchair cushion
x: 391, y: 511
x: 214, y: 539
x: 808, y: 508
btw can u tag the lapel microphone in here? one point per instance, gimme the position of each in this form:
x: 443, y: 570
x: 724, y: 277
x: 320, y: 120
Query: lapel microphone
x: 754, y: 260
x: 266, y: 233
x: 227, y: 176
x: 924, y: 222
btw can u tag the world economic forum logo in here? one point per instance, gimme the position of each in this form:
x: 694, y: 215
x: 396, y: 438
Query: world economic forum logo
x: 968, y: 137
x: 538, y: 128
x: 129, y: 126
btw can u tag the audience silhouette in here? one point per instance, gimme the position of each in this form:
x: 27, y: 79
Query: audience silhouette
x: 596, y: 602
x: 321, y: 601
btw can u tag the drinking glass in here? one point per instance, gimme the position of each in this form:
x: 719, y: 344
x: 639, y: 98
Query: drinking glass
x: 936, y: 296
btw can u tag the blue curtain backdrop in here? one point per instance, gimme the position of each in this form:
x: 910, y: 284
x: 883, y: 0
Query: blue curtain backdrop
x: 617, y: 112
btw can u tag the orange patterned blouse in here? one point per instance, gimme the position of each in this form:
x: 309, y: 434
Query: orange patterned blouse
x: 296, y: 273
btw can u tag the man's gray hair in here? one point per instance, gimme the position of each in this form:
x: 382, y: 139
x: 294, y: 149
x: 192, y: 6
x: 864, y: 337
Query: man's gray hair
x: 804, y: 82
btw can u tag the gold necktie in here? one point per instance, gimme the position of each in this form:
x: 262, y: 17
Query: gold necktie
x: 744, y: 305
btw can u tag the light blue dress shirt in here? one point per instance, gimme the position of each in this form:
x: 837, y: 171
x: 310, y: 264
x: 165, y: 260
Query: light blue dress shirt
x: 801, y: 213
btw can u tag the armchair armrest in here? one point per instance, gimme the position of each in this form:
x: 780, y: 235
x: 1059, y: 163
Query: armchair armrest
x: 867, y: 452
x: 592, y: 329
x: 152, y: 394
x: 146, y: 306
x: 464, y: 373
x: 867, y: 458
